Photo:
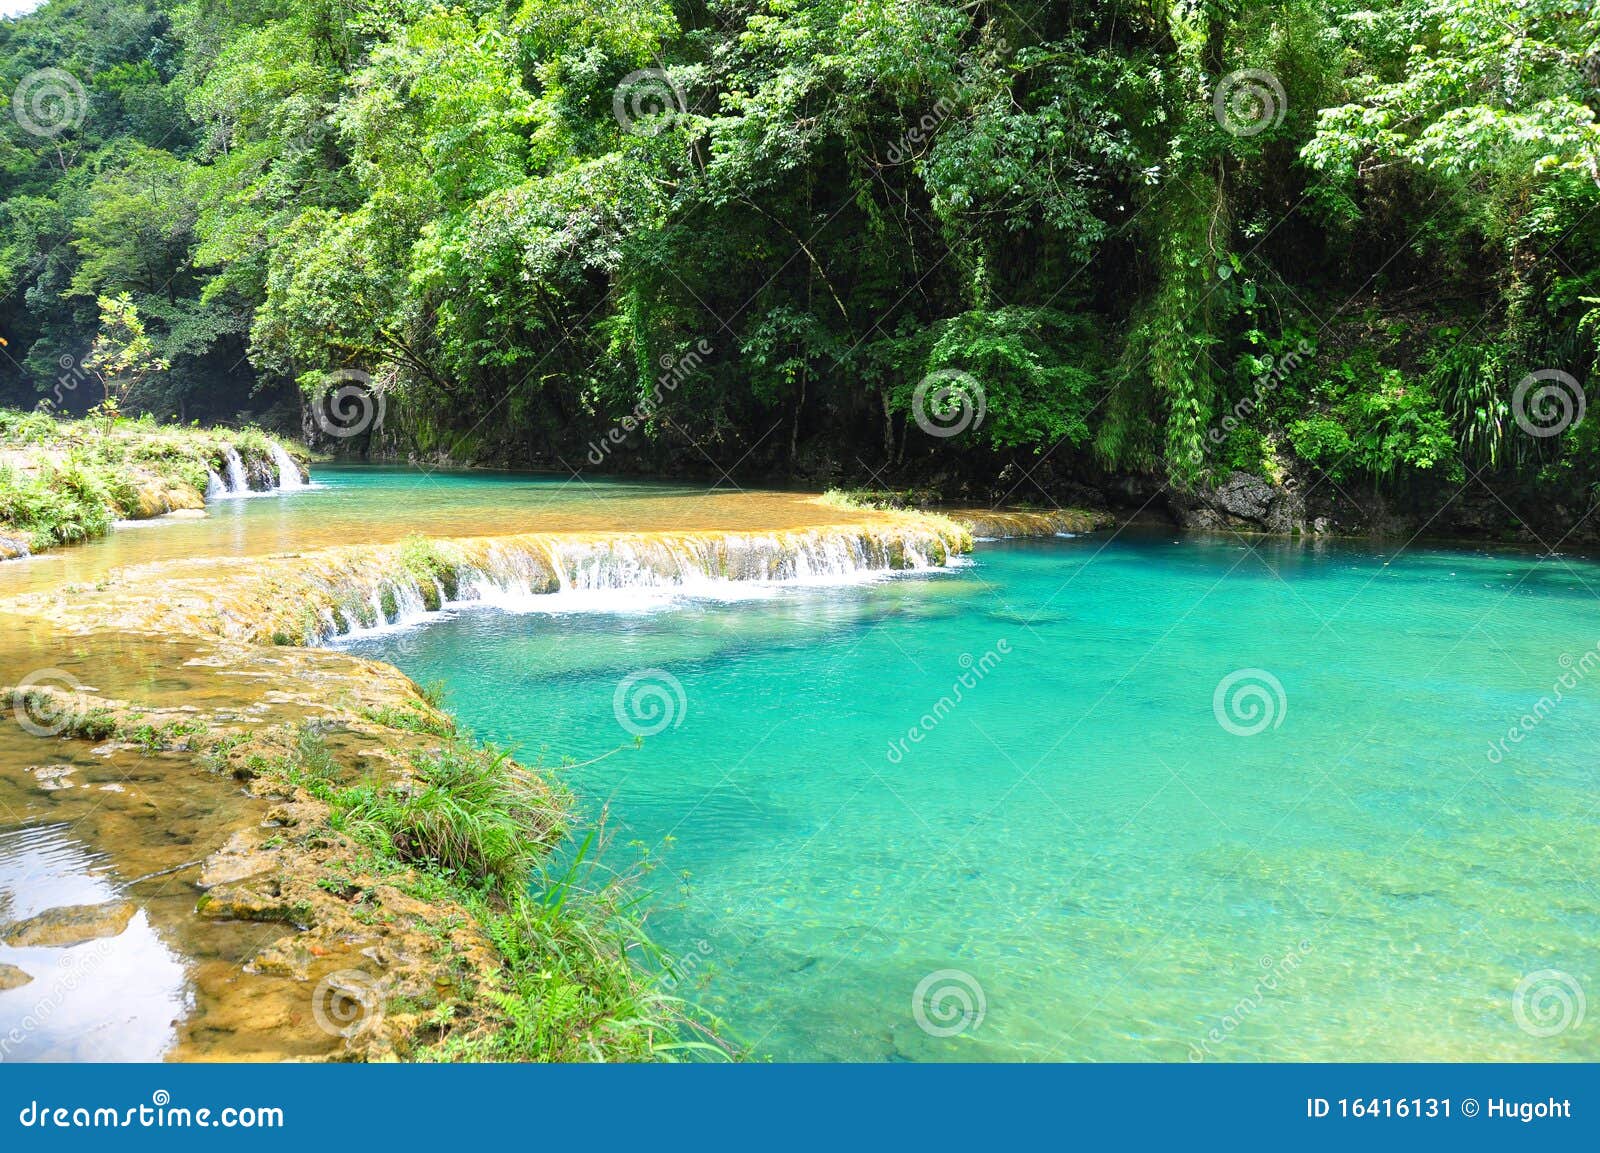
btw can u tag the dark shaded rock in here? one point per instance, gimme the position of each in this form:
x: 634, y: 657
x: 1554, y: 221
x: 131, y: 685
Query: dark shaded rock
x: 1242, y: 501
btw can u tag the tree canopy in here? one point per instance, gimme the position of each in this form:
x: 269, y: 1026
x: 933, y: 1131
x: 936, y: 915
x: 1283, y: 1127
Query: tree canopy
x: 1173, y: 239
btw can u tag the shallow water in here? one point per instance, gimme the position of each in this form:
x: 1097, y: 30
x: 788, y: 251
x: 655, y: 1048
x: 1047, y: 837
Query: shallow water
x: 1078, y: 860
x: 369, y: 505
x: 88, y: 826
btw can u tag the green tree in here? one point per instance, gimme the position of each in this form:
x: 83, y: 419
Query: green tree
x: 124, y: 356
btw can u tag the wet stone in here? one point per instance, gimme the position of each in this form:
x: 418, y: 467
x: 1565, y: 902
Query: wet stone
x: 240, y: 858
x: 69, y: 925
x: 12, y: 977
x: 52, y: 777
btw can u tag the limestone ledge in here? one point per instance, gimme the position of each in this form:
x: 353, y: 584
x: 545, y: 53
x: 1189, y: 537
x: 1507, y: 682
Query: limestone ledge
x: 399, y: 958
x: 141, y: 471
x: 1001, y: 524
x: 303, y: 598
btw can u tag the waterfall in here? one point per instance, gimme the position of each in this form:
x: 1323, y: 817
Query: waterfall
x: 237, y: 482
x: 317, y: 596
x: 541, y: 573
x: 235, y: 479
x: 288, y: 471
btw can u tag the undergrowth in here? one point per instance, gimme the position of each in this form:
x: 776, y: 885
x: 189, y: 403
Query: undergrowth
x: 474, y: 827
x: 64, y: 482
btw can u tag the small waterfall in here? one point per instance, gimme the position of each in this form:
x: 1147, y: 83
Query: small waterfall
x: 235, y: 478
x: 623, y: 574
x: 288, y: 471
x: 237, y: 482
x: 351, y: 592
x: 394, y: 604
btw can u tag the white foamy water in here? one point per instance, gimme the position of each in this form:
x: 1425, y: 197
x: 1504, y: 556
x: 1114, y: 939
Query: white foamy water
x: 629, y: 577
x: 288, y: 471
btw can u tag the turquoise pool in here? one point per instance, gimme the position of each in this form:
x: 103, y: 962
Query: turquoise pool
x: 1167, y: 799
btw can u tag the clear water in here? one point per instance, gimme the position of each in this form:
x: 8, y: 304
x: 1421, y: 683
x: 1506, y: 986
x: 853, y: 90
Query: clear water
x: 1080, y: 838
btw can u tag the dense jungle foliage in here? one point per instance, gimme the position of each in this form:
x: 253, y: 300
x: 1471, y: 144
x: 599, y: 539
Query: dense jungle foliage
x: 1166, y: 240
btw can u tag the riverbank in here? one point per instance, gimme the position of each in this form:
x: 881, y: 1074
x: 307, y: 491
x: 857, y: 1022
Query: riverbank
x: 357, y: 883
x: 68, y: 481
x: 354, y: 888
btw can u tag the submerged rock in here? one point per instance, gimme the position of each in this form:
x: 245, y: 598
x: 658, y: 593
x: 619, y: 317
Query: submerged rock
x: 52, y: 777
x: 69, y: 925
x: 240, y: 858
x: 12, y: 977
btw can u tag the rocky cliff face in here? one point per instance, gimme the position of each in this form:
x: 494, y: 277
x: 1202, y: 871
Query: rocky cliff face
x: 1300, y: 504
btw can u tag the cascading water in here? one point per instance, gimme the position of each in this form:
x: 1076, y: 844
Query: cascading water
x: 288, y: 471
x: 238, y: 483
x: 544, y: 574
x: 235, y: 479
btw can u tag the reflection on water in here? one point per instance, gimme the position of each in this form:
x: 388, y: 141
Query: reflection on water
x: 107, y: 991
x: 100, y: 847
